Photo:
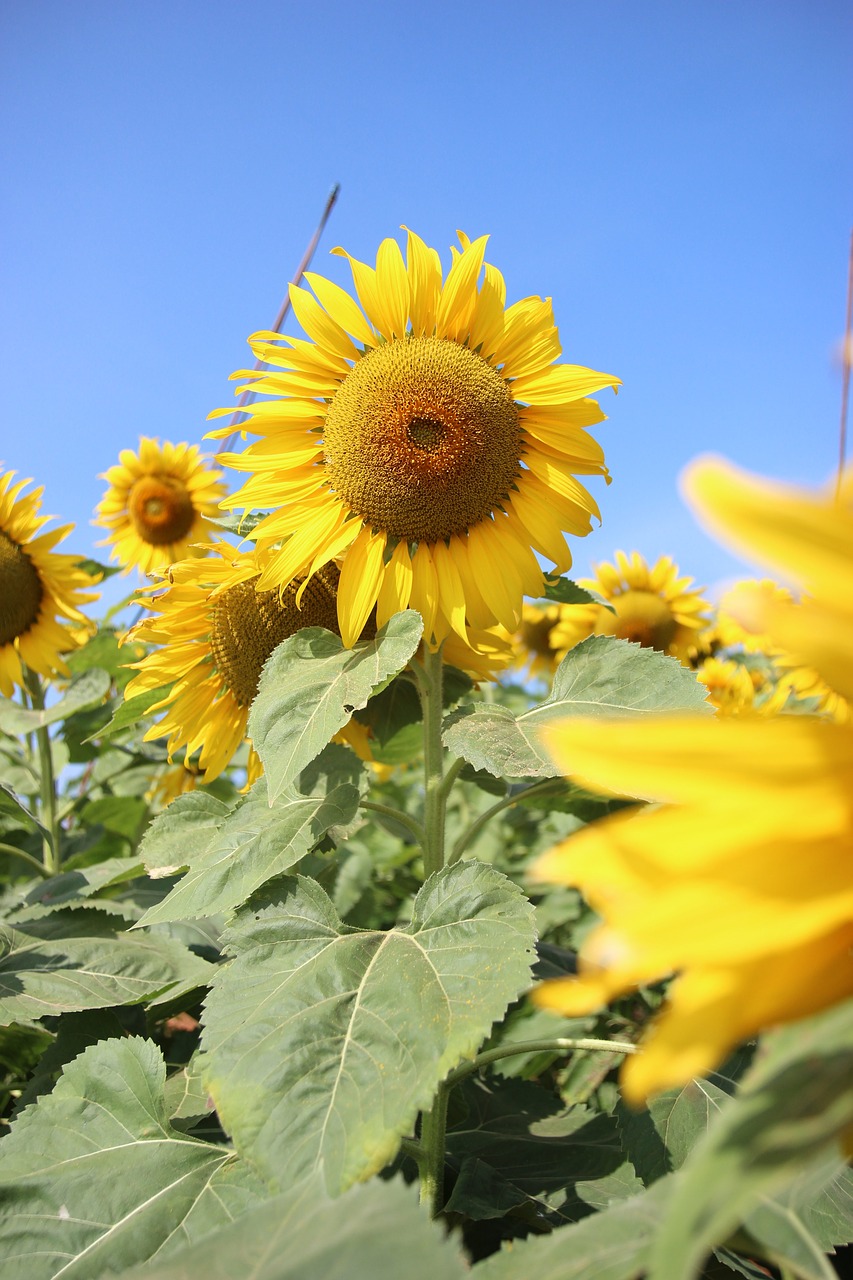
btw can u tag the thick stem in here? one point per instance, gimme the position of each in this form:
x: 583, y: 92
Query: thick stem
x: 435, y: 798
x: 47, y: 782
x: 431, y: 1162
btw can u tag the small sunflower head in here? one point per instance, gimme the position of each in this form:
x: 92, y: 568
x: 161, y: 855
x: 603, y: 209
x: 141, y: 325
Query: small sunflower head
x: 41, y: 591
x: 157, y: 504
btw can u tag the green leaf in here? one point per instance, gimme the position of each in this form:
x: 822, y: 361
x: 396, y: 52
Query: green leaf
x: 787, y: 1119
x: 600, y: 677
x: 659, y: 1138
x: 97, y: 570
x: 375, y: 1232
x: 86, y: 690
x: 104, y: 650
x: 70, y: 886
x: 310, y: 687
x: 611, y: 1245
x: 323, y: 1042
x: 93, y: 1178
x: 121, y: 815
x: 565, y: 591
x: 130, y: 711
x: 11, y: 806
x: 41, y: 977
x: 181, y: 832
x: 255, y: 842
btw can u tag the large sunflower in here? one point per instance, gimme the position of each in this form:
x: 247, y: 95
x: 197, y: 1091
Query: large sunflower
x: 652, y: 606
x: 214, y: 632
x: 156, y: 504
x: 427, y: 437
x: 38, y: 587
x: 740, y: 883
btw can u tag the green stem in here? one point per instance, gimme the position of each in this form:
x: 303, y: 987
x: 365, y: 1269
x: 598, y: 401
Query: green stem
x: 471, y: 833
x: 452, y: 774
x: 435, y: 798
x: 431, y: 1161
x: 397, y: 815
x: 47, y: 782
x: 26, y: 857
x: 560, y: 1044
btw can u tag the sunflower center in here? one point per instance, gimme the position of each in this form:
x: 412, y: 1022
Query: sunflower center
x: 161, y: 509
x: 21, y: 591
x: 248, y: 624
x: 422, y: 439
x: 640, y: 616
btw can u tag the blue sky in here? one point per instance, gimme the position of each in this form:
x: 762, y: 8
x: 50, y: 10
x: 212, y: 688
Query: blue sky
x: 676, y: 176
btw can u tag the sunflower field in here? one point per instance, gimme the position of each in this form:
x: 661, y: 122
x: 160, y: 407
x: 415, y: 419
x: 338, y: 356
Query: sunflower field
x: 380, y: 900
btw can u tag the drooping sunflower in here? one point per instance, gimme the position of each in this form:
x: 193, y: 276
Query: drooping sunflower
x: 41, y: 591
x: 157, y: 504
x: 741, y: 882
x: 654, y: 607
x: 426, y: 436
x: 214, y: 631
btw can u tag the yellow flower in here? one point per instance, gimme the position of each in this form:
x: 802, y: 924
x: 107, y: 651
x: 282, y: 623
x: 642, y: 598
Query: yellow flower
x: 38, y: 588
x: 427, y: 437
x: 741, y: 884
x: 535, y: 655
x: 653, y: 606
x: 729, y: 685
x: 214, y: 632
x: 156, y: 504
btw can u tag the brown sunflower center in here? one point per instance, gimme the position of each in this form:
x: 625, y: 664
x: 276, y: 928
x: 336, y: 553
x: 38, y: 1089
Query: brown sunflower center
x: 161, y: 509
x: 422, y: 439
x: 536, y: 635
x: 248, y: 624
x: 21, y: 591
x: 640, y: 616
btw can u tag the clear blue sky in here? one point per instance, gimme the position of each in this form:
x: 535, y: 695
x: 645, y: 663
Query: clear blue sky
x: 676, y: 176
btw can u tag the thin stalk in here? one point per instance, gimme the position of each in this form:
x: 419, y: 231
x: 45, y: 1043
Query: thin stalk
x: 471, y: 833
x: 431, y: 1159
x: 430, y: 677
x: 451, y: 775
x: 26, y: 857
x: 398, y: 815
x: 47, y: 782
x: 560, y: 1044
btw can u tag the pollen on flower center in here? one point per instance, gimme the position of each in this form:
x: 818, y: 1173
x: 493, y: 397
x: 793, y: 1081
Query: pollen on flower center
x: 640, y: 616
x: 21, y: 591
x: 422, y: 439
x: 248, y: 624
x: 161, y: 509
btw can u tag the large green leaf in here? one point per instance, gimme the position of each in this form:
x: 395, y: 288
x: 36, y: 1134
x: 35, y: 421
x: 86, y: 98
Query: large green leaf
x: 86, y: 690
x: 93, y: 1178
x: 310, y: 687
x: 785, y: 1123
x: 601, y: 677
x: 47, y: 976
x: 181, y: 832
x: 323, y: 1042
x: 374, y: 1232
x: 659, y: 1138
x: 255, y: 842
x: 12, y: 807
x: 611, y: 1245
x: 131, y: 711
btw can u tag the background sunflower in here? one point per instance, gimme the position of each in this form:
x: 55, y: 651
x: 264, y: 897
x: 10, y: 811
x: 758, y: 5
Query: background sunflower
x: 156, y: 504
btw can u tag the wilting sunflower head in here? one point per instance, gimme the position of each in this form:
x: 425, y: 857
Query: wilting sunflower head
x: 652, y: 606
x: 157, y: 504
x: 426, y: 437
x: 214, y: 631
x: 41, y: 591
x: 740, y: 881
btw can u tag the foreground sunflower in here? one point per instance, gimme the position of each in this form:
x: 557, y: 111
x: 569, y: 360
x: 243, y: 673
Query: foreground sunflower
x: 427, y: 437
x: 214, y: 632
x: 157, y: 504
x: 741, y: 884
x: 39, y: 588
x: 652, y: 606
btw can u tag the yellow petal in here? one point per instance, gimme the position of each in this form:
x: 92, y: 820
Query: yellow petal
x: 358, y: 588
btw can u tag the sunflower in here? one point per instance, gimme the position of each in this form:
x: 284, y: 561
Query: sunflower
x: 741, y: 883
x: 157, y: 502
x: 214, y: 632
x: 653, y: 607
x: 427, y: 437
x: 535, y: 655
x: 730, y: 686
x: 38, y: 587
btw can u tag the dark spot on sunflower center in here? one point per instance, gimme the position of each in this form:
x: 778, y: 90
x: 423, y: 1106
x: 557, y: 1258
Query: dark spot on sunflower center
x: 21, y: 591
x: 426, y: 433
